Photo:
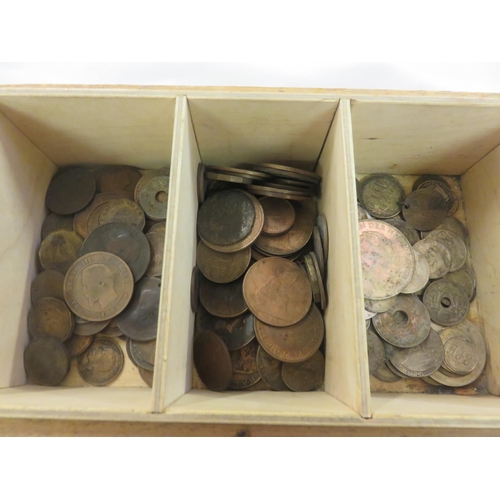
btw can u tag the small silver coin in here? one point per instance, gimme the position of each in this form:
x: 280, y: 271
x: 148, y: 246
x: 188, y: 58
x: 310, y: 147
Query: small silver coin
x: 379, y: 306
x: 420, y: 276
x: 454, y: 244
x: 447, y: 303
x: 382, y: 196
x: 437, y: 256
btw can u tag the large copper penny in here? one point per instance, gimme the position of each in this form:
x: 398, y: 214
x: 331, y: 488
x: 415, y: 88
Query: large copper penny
x: 56, y: 222
x: 156, y: 241
x: 142, y: 354
x: 124, y: 241
x: 376, y: 352
x: 81, y: 219
x: 47, y: 284
x: 245, y: 371
x: 151, y: 194
x: 147, y: 376
x: 222, y: 267
x: 60, y: 250
x: 306, y: 376
x: 455, y: 246
x: 270, y: 370
x: 98, y: 286
x: 223, y: 300
x: 120, y: 180
x: 124, y: 211
x: 425, y: 209
x: 293, y: 344
x: 77, y: 345
x: 410, y: 233
x: 139, y: 321
x: 277, y: 292
x: 421, y: 276
x: 101, y: 363
x: 279, y: 216
x: 437, y: 256
x: 46, y: 361
x: 212, y: 361
x: 447, y: 303
x: 50, y: 316
x: 442, y: 187
x: 70, y: 191
x: 382, y: 196
x: 407, y: 324
x: 387, y: 260
x: 85, y: 328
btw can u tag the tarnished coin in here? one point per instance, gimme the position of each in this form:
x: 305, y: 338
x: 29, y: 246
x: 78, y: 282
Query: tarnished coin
x: 120, y: 180
x: 455, y: 246
x: 223, y: 300
x: 56, y: 222
x: 48, y: 284
x: 270, y: 370
x: 318, y: 251
x: 98, y: 286
x: 325, y: 237
x: 159, y: 227
x: 382, y: 196
x: 369, y: 315
x: 362, y: 215
x: 70, y: 191
x: 51, y: 317
x: 281, y: 171
x: 151, y: 194
x: 394, y: 370
x: 379, y: 306
x: 313, y: 278
x: 77, y: 345
x: 299, y: 191
x: 376, y: 353
x: 277, y: 292
x: 156, y: 241
x: 101, y: 363
x: 195, y: 289
x: 201, y: 183
x: 147, y: 376
x: 81, y: 220
x: 222, y: 267
x: 279, y: 216
x: 306, y: 376
x: 85, y: 328
x: 323, y: 303
x: 111, y: 330
x: 421, y: 276
x: 239, y: 172
x: 463, y: 279
x: 212, y: 361
x: 407, y: 324
x: 437, y: 255
x: 139, y: 321
x: 422, y: 360
x: 292, y: 344
x: 245, y: 371
x: 122, y: 210
x: 124, y: 241
x: 425, y: 178
x: 60, y: 250
x: 387, y: 259
x: 455, y: 226
x: 235, y: 332
x: 447, y: 303
x: 291, y: 183
x: 445, y: 191
x: 410, y: 233
x: 232, y: 179
x: 142, y: 354
x: 460, y: 355
x: 285, y: 194
x: 425, y: 209
x: 46, y: 361
x: 384, y: 374
x: 428, y: 380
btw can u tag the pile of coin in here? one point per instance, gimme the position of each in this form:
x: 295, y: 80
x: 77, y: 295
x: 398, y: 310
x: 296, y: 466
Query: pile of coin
x: 101, y: 275
x: 418, y: 286
x: 259, y: 283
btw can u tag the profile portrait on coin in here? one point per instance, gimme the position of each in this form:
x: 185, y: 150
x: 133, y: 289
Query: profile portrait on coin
x: 98, y: 286
x: 96, y: 361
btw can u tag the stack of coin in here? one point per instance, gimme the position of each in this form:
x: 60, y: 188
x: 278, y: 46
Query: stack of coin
x: 101, y: 275
x: 258, y: 319
x: 417, y: 284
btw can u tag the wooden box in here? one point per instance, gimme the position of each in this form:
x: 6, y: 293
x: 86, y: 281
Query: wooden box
x: 344, y: 133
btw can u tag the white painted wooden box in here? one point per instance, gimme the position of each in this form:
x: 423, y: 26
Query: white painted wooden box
x: 347, y: 133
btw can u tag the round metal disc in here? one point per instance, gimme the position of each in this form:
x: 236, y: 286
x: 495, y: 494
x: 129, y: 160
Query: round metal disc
x: 85, y: 328
x: 323, y: 303
x: 279, y: 216
x: 385, y: 375
x: 454, y: 244
x: 56, y: 222
x: 270, y: 371
x: 151, y: 194
x: 323, y: 231
x: 307, y: 376
x: 77, y: 345
x: 60, y: 250
x: 442, y: 187
x: 460, y: 356
x: 313, y: 278
x: 201, y: 183
x: 410, y: 233
x: 285, y: 194
x: 156, y: 242
x: 51, y: 317
x: 120, y: 180
x: 245, y: 371
x: 124, y: 211
x: 362, y: 215
x: 447, y: 303
x: 289, y: 173
x: 48, y: 284
x: 235, y: 332
x: 239, y: 172
x: 195, y: 289
x: 463, y: 279
x: 318, y: 251
x: 379, y: 306
x: 142, y: 354
x: 421, y: 276
x: 425, y: 209
x: 223, y: 300
x: 437, y: 255
x: 455, y: 226
x: 376, y: 353
x: 425, y: 178
x: 147, y: 376
x: 382, y: 196
x: 101, y: 363
x: 46, y: 361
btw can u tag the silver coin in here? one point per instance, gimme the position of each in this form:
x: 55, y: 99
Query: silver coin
x: 428, y: 380
x: 455, y: 226
x: 420, y: 276
x: 376, y: 353
x: 445, y: 191
x: 384, y: 374
x: 369, y: 315
x: 460, y: 353
x: 447, y: 303
x: 379, y: 306
x: 411, y: 234
x: 382, y: 196
x: 454, y: 245
x: 368, y: 323
x: 463, y: 279
x: 437, y: 256
x: 362, y: 215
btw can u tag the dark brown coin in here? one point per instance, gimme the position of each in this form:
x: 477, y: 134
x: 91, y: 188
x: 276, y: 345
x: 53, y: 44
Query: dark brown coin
x: 139, y: 321
x: 455, y: 226
x: 142, y: 354
x: 376, y: 352
x: 151, y: 194
x: 223, y: 300
x: 306, y: 376
x: 201, y: 183
x: 245, y: 371
x: 313, y: 278
x: 101, y: 363
x: 147, y: 376
x: 46, y: 361
x: 410, y: 233
x: 270, y: 370
x: 454, y: 244
x: 239, y: 172
x: 289, y: 173
x: 463, y: 279
x: 232, y: 179
x: 111, y: 330
x: 437, y: 255
x: 77, y: 345
x: 120, y: 180
x: 444, y: 190
x: 70, y: 191
x: 124, y: 211
x: 307, y: 193
x: 212, y: 361
x: 318, y: 251
x: 407, y: 324
x: 447, y: 303
x: 425, y: 209
x: 382, y: 196
x: 325, y: 238
x: 384, y: 374
x: 85, y: 328
x: 48, y: 284
x: 51, y: 317
x: 235, y: 332
x: 195, y: 289
x: 124, y: 241
x: 156, y: 241
x: 291, y: 183
x: 222, y: 267
x: 56, y: 222
x: 279, y: 216
x: 81, y: 219
x: 60, y: 250
x: 285, y: 194
x: 379, y: 306
x: 395, y: 370
x: 425, y: 178
x: 293, y: 344
x: 277, y: 292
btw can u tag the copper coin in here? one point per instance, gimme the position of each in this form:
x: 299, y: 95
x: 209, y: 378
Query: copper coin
x: 142, y: 354
x: 159, y: 227
x: 56, y: 222
x: 306, y: 376
x: 463, y: 279
x: 81, y: 219
x: 111, y: 330
x: 293, y: 257
x: 425, y: 209
x: 293, y: 344
x: 257, y: 255
x: 60, y: 250
x: 120, y: 180
x: 245, y: 371
x: 46, y: 361
x: 233, y: 179
x: 51, y: 317
x: 384, y: 374
x: 382, y: 196
x: 289, y: 173
x: 452, y: 202
x: 387, y: 259
x: 147, y: 376
x: 279, y: 216
x: 201, y: 183
x: 323, y: 232
x: 270, y: 370
x: 421, y: 275
x: 422, y: 360
x: 323, y: 302
x: 410, y: 233
x: 235, y: 332
x: 151, y: 194
x: 212, y: 361
x: 285, y: 194
x: 47, y: 284
x: 239, y: 172
x: 223, y: 300
x: 101, y: 363
x: 380, y: 306
x: 195, y: 289
x: 407, y: 324
x: 77, y: 345
x: 124, y: 241
x: 425, y: 178
x: 455, y: 246
x: 88, y: 328
x: 437, y: 256
x: 70, y: 191
x: 448, y: 304
x: 455, y: 226
x: 460, y: 355
x: 318, y: 251
x: 277, y: 292
x: 156, y: 241
x: 98, y: 286
x: 310, y: 269
x: 376, y: 353
x: 139, y: 321
x: 124, y: 211
x: 222, y: 267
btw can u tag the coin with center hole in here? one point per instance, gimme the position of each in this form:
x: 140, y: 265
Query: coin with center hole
x: 124, y: 211
x: 445, y: 191
x: 51, y: 317
x: 376, y: 353
x: 425, y: 209
x: 245, y: 371
x: 47, y: 284
x: 151, y: 194
x: 464, y: 280
x: 306, y: 376
x: 379, y: 306
x: 120, y: 180
x: 279, y: 216
x: 46, y: 361
x: 156, y: 241
x: 101, y: 363
x: 410, y: 233
x: 142, y: 354
x: 77, y: 345
x: 421, y: 276
x: 454, y: 244
x: 60, y: 250
x: 56, y: 222
x: 437, y: 255
x: 382, y: 196
x: 447, y: 303
x: 270, y: 370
